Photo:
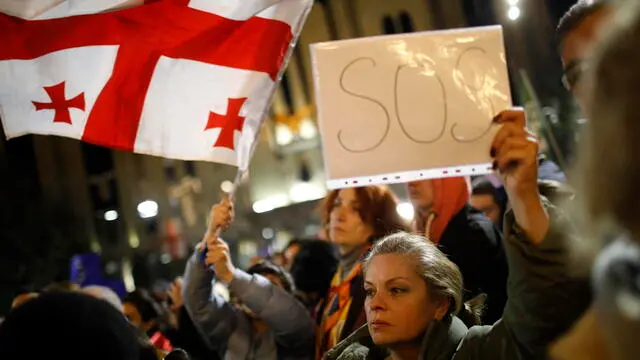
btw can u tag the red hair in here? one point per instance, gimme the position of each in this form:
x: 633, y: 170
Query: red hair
x: 377, y: 209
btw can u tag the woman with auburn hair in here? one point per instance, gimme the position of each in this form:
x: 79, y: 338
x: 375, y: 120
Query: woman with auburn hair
x: 354, y: 218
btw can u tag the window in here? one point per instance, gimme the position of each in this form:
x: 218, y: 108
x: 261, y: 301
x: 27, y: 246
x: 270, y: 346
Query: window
x: 388, y: 26
x: 406, y: 23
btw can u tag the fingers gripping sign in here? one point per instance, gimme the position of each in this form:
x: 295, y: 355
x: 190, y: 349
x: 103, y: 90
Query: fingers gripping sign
x: 515, y: 152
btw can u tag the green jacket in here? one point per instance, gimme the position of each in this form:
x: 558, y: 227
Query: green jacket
x: 544, y: 301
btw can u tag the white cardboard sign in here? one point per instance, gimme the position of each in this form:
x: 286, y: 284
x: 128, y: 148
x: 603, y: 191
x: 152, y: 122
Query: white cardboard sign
x: 407, y: 107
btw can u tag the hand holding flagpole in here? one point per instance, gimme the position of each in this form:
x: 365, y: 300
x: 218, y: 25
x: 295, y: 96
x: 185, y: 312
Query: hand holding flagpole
x: 222, y: 214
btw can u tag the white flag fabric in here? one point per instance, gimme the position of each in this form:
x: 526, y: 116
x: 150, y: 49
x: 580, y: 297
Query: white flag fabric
x: 180, y: 79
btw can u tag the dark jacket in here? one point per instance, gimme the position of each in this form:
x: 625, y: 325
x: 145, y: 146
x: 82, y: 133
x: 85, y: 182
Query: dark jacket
x: 188, y: 338
x: 474, y: 243
x: 544, y: 302
x: 229, y: 330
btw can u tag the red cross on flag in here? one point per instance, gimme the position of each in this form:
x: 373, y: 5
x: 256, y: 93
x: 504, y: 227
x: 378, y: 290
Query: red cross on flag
x: 181, y: 79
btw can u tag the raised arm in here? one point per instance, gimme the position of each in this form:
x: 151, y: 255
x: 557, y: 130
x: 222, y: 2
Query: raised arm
x: 214, y: 317
x: 544, y: 298
x: 287, y: 318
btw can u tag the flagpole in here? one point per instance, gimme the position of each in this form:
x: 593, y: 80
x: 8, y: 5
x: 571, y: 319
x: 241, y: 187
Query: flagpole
x: 243, y: 168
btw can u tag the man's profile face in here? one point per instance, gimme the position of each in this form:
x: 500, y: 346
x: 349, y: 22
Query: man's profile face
x: 576, y: 53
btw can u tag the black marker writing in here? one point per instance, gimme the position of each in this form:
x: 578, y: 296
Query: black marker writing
x: 444, y: 103
x: 453, y: 128
x: 384, y: 109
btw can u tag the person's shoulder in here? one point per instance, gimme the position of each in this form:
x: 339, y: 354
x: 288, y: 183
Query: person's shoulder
x: 482, y: 228
x: 487, y: 342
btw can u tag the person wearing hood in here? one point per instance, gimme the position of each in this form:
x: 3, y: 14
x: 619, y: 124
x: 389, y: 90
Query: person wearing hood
x: 414, y: 291
x: 469, y: 239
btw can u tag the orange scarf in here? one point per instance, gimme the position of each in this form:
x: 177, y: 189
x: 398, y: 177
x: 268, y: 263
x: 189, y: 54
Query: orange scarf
x: 335, y: 309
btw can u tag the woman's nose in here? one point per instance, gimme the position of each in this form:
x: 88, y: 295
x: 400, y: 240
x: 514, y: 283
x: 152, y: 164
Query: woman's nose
x: 338, y: 213
x: 377, y: 302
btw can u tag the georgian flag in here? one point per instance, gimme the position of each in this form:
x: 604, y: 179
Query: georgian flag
x: 181, y: 79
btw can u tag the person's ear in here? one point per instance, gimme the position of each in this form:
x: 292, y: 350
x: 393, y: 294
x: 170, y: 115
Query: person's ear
x: 442, y: 308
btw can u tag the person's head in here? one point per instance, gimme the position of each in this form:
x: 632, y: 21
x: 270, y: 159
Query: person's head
x: 274, y: 273
x: 75, y: 325
x: 279, y: 259
x: 489, y: 200
x: 438, y: 199
x: 577, y: 33
x: 409, y: 283
x: 610, y: 163
x: 314, y: 266
x: 356, y: 216
x: 23, y: 298
x: 290, y: 252
x: 141, y: 310
x: 62, y: 286
x: 104, y: 293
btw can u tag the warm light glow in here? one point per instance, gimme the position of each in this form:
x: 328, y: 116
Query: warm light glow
x: 302, y: 192
x: 513, y: 2
x: 405, y: 210
x: 111, y: 215
x: 274, y: 202
x: 308, y: 129
x: 148, y: 209
x: 226, y: 186
x: 514, y: 13
x: 284, y: 135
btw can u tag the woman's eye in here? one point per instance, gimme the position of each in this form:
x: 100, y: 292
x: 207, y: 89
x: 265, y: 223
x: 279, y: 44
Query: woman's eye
x: 396, y: 291
x: 369, y: 292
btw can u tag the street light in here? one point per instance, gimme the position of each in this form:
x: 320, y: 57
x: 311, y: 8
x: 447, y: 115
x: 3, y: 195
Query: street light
x: 111, y: 215
x: 148, y: 209
x: 513, y: 13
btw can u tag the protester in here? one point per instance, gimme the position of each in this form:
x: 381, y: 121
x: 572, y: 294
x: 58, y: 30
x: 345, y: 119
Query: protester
x: 443, y: 215
x: 609, y: 173
x: 106, y: 294
x: 183, y: 333
x: 22, y: 298
x: 67, y: 325
x: 290, y: 252
x: 278, y: 259
x: 263, y: 321
x: 414, y: 291
x: 143, y: 312
x: 312, y: 270
x: 578, y: 31
x: 488, y: 197
x: 355, y: 219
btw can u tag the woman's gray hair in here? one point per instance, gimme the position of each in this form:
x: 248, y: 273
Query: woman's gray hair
x: 443, y: 278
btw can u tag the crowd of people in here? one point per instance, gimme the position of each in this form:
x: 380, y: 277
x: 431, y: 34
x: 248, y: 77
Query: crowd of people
x: 484, y: 270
